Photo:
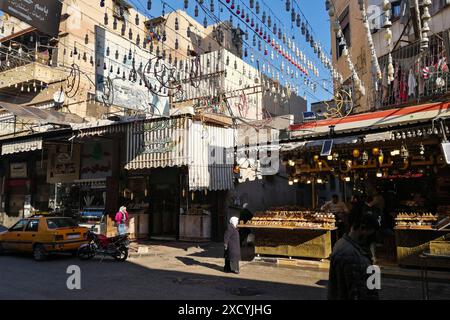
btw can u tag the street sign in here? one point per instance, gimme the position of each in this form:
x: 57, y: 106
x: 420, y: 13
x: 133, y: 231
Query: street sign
x: 44, y: 15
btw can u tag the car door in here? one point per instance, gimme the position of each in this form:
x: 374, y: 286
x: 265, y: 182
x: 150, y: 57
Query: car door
x: 12, y: 240
x: 30, y: 235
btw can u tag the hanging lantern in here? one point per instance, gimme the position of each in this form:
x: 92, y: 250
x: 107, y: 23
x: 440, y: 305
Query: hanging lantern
x: 375, y: 151
x: 381, y: 157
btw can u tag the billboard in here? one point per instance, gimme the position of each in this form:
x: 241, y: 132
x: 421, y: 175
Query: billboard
x: 44, y: 15
x: 114, y: 67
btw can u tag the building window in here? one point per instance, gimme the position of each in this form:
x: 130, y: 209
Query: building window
x: 396, y: 10
x: 345, y: 26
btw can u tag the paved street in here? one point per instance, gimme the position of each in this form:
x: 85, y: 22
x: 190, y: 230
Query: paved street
x: 177, y: 273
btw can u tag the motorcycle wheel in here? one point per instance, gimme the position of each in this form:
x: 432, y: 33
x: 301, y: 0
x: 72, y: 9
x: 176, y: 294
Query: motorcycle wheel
x: 85, y: 253
x: 122, y: 254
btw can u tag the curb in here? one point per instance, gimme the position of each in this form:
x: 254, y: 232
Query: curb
x: 323, y: 265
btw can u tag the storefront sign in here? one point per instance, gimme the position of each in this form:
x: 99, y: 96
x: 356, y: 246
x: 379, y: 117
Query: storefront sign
x: 96, y: 160
x: 156, y: 138
x: 64, y: 164
x: 158, y: 146
x: 44, y: 15
x: 18, y: 170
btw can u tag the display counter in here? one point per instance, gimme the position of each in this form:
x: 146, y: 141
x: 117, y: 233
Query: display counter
x: 421, y: 232
x: 292, y: 233
x: 195, y: 225
x: 139, y: 224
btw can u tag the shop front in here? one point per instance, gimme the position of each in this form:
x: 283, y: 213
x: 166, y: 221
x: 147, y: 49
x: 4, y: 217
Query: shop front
x: 394, y: 162
x: 177, y: 177
x: 23, y: 187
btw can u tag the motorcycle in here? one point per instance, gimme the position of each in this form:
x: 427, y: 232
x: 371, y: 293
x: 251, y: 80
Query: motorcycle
x: 116, y: 247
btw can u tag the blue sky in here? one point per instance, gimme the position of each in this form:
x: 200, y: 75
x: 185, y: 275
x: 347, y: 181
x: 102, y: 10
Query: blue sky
x: 313, y: 10
x: 315, y: 14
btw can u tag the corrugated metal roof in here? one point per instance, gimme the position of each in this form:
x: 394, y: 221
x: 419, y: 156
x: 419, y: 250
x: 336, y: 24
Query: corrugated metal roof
x: 207, y: 151
x: 211, y: 155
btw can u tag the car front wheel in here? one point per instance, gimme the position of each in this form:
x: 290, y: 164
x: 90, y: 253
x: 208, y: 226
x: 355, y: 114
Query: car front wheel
x: 39, y: 253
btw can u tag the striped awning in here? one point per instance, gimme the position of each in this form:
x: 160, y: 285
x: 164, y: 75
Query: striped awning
x: 22, y: 146
x: 158, y: 143
x: 373, y: 120
x: 211, y: 153
x: 206, y: 150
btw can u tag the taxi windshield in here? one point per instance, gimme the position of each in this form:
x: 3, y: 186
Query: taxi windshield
x: 58, y: 223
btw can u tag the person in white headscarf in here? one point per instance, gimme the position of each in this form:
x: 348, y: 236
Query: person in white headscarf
x: 232, y: 247
x: 122, y: 219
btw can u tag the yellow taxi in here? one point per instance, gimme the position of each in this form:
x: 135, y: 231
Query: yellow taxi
x: 43, y: 235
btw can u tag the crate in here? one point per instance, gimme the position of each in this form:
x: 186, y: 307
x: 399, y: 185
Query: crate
x: 441, y: 248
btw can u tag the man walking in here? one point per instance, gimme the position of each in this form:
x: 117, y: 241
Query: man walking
x: 350, y: 262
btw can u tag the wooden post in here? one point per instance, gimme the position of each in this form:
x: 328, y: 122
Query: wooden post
x: 313, y: 192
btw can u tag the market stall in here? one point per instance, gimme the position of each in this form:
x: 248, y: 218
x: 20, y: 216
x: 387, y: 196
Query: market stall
x: 401, y: 175
x: 292, y: 232
x: 418, y: 232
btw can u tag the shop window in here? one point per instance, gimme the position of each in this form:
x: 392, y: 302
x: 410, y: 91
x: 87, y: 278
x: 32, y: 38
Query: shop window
x: 345, y: 26
x: 32, y: 226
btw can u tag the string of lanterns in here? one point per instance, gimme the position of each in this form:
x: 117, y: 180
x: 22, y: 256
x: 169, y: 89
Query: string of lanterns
x: 372, y: 50
x: 74, y: 50
x: 345, y: 52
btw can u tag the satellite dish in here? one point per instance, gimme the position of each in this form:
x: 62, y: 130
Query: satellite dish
x: 59, y: 97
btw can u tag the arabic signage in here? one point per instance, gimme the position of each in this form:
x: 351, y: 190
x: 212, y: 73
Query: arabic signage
x: 18, y: 170
x: 96, y: 160
x: 156, y: 138
x: 44, y: 15
x: 64, y: 164
x: 113, y: 54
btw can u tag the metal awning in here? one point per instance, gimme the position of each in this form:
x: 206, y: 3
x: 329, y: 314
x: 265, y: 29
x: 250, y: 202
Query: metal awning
x: 178, y: 142
x: 157, y: 143
x: 375, y: 137
x: 41, y: 116
x: 360, y: 123
x: 22, y: 146
x: 211, y: 157
x: 99, y: 131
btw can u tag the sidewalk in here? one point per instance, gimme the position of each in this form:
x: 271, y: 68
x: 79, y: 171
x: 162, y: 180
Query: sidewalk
x: 213, y: 251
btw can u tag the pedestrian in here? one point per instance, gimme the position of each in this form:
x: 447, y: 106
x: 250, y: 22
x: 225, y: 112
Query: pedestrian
x: 122, y: 220
x: 355, y: 211
x: 232, y: 247
x: 339, y: 209
x: 350, y: 262
x: 245, y: 216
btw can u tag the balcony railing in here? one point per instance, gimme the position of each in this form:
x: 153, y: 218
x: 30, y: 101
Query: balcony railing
x: 17, y: 55
x: 420, y: 77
